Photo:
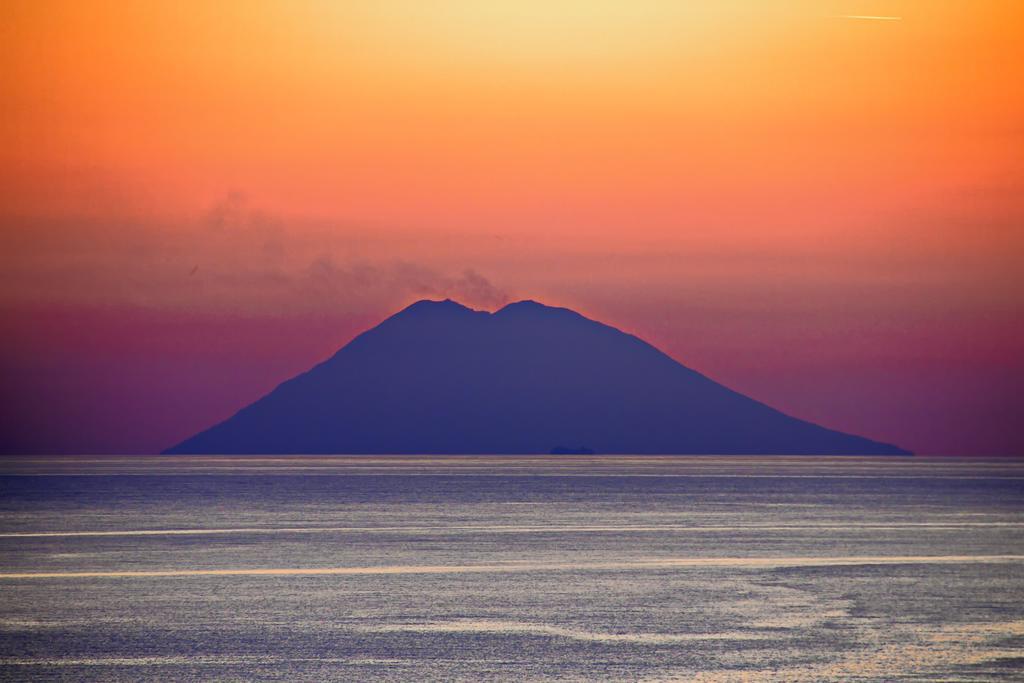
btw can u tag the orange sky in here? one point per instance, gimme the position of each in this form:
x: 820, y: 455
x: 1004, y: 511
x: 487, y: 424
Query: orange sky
x: 783, y: 195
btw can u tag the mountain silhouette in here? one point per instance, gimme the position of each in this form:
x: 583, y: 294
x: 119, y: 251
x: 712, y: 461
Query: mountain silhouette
x: 438, y: 377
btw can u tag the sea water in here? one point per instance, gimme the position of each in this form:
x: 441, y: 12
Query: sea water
x: 511, y: 568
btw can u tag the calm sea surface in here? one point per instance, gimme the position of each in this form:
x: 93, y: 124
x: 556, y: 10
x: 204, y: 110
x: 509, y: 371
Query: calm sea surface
x: 511, y: 568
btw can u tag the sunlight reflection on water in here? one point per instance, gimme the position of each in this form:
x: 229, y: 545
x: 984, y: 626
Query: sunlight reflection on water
x: 788, y: 569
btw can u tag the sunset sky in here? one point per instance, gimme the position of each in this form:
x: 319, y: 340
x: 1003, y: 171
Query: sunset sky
x: 819, y: 203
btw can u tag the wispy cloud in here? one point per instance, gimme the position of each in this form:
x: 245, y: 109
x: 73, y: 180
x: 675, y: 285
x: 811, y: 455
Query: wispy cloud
x: 401, y: 278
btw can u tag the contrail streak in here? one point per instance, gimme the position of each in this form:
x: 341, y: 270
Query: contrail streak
x: 868, y: 17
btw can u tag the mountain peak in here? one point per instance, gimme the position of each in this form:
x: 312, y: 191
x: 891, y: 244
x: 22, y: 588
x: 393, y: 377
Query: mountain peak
x: 531, y: 307
x: 432, y: 307
x: 526, y: 307
x: 526, y: 303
